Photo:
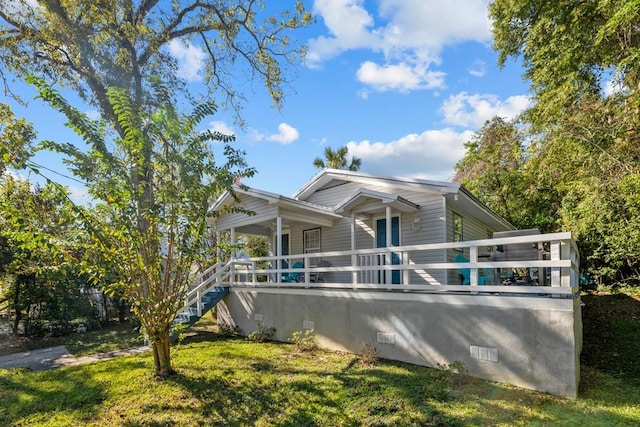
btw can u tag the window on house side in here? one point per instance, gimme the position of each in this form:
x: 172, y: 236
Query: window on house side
x: 457, y: 228
x: 312, y: 242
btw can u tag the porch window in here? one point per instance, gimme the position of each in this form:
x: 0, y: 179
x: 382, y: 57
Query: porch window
x: 312, y: 242
x: 457, y: 228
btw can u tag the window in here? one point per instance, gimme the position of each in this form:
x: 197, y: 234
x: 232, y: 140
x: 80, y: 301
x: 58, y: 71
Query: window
x: 312, y: 242
x: 457, y: 228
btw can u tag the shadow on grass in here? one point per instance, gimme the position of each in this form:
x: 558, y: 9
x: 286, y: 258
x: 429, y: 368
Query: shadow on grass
x: 282, y: 387
x: 25, y: 394
x: 611, y: 325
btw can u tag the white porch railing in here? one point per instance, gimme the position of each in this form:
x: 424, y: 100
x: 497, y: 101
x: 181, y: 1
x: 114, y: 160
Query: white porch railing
x: 550, y: 261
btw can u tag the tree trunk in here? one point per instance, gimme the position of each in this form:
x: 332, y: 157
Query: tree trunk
x: 123, y: 310
x: 16, y: 308
x: 161, y: 357
x: 105, y: 308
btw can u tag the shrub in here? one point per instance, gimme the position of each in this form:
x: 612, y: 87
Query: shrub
x: 229, y: 330
x: 368, y: 354
x: 179, y: 331
x: 456, y: 372
x: 262, y: 334
x: 304, y: 340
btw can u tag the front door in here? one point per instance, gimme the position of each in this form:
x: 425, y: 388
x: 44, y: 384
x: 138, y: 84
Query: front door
x: 381, y: 242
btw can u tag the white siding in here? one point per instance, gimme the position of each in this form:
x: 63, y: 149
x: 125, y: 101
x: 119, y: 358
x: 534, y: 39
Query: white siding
x: 260, y: 207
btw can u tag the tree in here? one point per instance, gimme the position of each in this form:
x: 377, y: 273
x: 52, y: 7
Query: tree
x: 157, y: 174
x: 494, y: 170
x: 90, y: 46
x: 337, y: 160
x: 156, y: 183
x: 582, y: 60
x: 16, y: 138
x: 568, y: 49
x: 42, y: 239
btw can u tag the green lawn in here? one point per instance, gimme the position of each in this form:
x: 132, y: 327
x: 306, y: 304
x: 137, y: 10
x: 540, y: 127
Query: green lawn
x: 115, y: 337
x: 234, y: 382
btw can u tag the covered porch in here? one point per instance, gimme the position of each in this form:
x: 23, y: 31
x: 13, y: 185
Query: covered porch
x: 274, y: 216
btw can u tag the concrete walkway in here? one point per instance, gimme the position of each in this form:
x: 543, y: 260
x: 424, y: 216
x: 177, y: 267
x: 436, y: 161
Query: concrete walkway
x: 58, y: 356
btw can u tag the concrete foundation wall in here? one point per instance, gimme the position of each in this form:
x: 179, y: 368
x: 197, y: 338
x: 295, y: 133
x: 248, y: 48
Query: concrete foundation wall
x: 532, y: 342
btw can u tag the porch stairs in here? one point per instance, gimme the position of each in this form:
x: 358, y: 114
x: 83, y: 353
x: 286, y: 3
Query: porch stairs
x: 206, y: 293
x: 190, y: 314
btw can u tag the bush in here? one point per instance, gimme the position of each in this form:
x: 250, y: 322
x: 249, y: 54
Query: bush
x: 456, y: 373
x: 229, y: 330
x: 262, y: 334
x: 304, y: 340
x: 368, y: 354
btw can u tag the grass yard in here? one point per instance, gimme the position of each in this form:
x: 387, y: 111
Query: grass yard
x: 115, y: 337
x: 235, y: 382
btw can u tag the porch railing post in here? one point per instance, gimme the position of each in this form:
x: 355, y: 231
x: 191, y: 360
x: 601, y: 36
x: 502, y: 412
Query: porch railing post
x: 388, y: 244
x: 354, y: 257
x: 473, y: 259
x: 555, y: 271
x: 405, y: 272
x: 565, y: 250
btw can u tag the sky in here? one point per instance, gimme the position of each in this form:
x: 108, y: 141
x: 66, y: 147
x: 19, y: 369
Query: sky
x: 403, y: 84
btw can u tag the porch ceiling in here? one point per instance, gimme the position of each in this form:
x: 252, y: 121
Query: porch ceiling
x: 369, y: 202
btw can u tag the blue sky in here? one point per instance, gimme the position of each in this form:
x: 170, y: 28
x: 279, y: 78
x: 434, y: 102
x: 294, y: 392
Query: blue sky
x: 402, y: 83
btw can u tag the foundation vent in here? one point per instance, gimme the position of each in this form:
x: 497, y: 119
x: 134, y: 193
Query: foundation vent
x: 386, y: 337
x: 258, y: 317
x: 484, y: 353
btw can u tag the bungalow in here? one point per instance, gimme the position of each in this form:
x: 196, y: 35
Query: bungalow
x: 420, y: 270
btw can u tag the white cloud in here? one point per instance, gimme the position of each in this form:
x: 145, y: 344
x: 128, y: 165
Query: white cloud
x: 286, y: 134
x: 409, y: 34
x: 220, y: 126
x: 363, y: 93
x: 479, y: 69
x: 472, y: 111
x: 401, y: 77
x: 429, y: 155
x: 190, y: 59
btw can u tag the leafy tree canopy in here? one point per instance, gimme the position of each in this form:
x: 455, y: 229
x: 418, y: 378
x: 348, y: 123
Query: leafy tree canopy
x: 578, y: 169
x: 90, y: 46
x: 156, y: 184
x: 570, y: 50
x: 16, y: 138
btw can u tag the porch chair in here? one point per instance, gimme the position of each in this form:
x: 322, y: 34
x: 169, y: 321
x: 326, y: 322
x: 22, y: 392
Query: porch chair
x: 484, y: 274
x: 293, y: 277
x: 318, y: 277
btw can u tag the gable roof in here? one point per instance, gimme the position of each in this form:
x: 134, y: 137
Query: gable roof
x: 292, y: 209
x: 326, y: 176
x: 455, y: 193
x: 363, y: 195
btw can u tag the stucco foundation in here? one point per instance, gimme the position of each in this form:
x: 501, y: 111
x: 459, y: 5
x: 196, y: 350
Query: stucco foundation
x: 529, y: 341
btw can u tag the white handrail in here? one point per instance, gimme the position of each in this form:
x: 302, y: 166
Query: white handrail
x: 562, y: 261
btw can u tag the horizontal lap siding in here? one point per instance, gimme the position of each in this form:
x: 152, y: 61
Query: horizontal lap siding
x: 260, y: 208
x: 430, y: 216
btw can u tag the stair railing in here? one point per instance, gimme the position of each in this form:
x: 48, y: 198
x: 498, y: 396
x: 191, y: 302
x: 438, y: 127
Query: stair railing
x: 210, y: 278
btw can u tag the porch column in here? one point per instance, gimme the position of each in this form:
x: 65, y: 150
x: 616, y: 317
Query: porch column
x: 387, y: 256
x: 218, y: 252
x: 232, y: 241
x: 354, y: 257
x: 278, y: 247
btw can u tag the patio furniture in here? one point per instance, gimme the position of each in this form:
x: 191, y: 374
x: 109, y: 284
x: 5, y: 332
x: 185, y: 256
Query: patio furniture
x: 318, y: 277
x: 293, y: 277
